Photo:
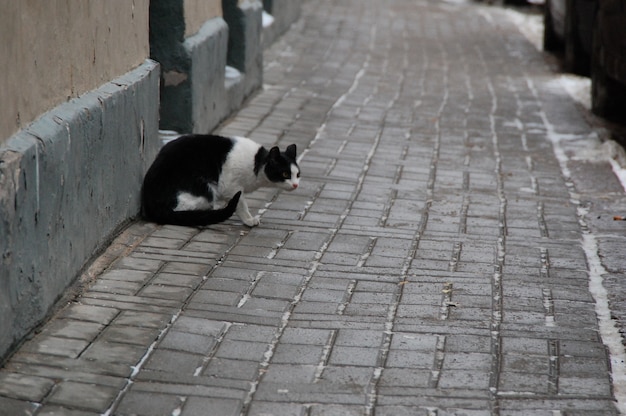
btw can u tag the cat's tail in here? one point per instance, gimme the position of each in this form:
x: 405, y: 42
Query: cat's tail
x: 200, y: 217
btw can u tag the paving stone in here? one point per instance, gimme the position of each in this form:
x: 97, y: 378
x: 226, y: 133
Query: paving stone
x: 216, y: 297
x: 359, y: 338
x: 138, y: 263
x: 69, y: 328
x: 143, y: 319
x: 409, y: 359
x: 14, y: 407
x: 91, y: 397
x: 90, y: 313
x: 163, y: 242
x: 114, y: 352
x: 173, y: 361
x: 129, y: 303
x: 330, y: 410
x: 184, y: 341
x: 41, y: 361
x: 22, y: 386
x: 199, y: 405
x: 79, y: 373
x: 248, y: 332
x: 289, y: 373
x: 401, y: 411
x: 406, y: 377
x: 199, y: 326
x: 225, y: 285
x: 306, y: 336
x: 194, y: 269
x: 241, y: 350
x: 170, y: 279
x: 116, y: 287
x: 52, y: 410
x: 354, y: 356
x: 175, y: 293
x: 523, y: 382
x: 272, y: 289
x: 265, y: 305
x: 188, y: 389
x: 54, y: 346
x: 297, y: 354
x: 148, y: 404
x: 464, y: 379
x: 130, y: 335
x: 260, y: 408
x: 126, y: 275
x: 235, y: 368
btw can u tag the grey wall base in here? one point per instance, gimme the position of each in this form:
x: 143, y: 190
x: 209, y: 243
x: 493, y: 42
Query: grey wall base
x: 207, y: 98
x: 245, y: 24
x: 67, y: 183
x: 195, y: 95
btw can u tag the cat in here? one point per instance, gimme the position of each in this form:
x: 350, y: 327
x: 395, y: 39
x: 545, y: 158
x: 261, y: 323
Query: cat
x: 193, y: 175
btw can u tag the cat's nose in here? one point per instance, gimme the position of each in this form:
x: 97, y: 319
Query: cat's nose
x: 295, y: 185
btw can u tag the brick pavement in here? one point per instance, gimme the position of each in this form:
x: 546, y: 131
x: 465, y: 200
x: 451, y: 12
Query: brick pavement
x: 429, y: 264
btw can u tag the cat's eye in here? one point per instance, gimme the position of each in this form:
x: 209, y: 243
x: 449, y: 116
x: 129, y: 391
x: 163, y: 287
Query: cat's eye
x: 286, y: 175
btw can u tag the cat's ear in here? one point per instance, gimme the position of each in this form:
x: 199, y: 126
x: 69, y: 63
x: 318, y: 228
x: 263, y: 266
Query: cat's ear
x: 274, y: 153
x: 291, y: 151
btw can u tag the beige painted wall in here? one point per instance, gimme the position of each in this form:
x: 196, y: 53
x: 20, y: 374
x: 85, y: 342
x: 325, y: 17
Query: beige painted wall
x: 197, y: 12
x: 53, y: 50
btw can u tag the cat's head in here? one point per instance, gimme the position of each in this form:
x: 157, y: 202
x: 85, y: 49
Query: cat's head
x: 282, y: 168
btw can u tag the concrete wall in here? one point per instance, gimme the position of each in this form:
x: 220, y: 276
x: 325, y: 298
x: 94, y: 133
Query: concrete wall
x: 190, y: 43
x: 245, y: 52
x: 194, y: 47
x: 198, y: 12
x: 45, y: 60
x: 79, y: 120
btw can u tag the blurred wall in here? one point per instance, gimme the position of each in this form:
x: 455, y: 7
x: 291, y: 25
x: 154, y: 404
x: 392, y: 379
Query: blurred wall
x: 197, y: 12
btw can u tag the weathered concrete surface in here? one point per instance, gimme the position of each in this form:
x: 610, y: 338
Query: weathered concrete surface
x: 192, y: 68
x: 245, y: 53
x: 67, y: 182
x: 198, y: 12
x: 430, y: 263
x: 46, y: 61
x: 195, y: 95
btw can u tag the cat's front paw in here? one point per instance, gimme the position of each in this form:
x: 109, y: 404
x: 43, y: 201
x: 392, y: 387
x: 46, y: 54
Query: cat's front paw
x: 252, y: 221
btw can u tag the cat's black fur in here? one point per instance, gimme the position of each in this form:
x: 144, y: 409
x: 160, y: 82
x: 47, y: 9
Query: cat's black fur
x: 193, y: 175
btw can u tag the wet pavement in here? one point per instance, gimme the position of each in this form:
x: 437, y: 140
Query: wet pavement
x: 443, y: 255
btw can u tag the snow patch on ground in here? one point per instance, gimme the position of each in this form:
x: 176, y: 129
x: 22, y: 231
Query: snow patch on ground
x: 579, y: 88
x: 531, y: 26
x: 582, y: 148
x: 608, y: 330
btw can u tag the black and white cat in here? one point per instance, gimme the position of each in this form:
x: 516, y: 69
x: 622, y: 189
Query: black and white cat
x: 193, y: 176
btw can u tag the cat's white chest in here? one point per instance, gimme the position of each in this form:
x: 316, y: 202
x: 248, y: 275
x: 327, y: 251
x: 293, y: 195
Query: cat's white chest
x: 238, y: 170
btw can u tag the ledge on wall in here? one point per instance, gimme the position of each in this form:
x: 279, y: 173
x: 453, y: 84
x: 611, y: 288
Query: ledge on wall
x: 67, y: 183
